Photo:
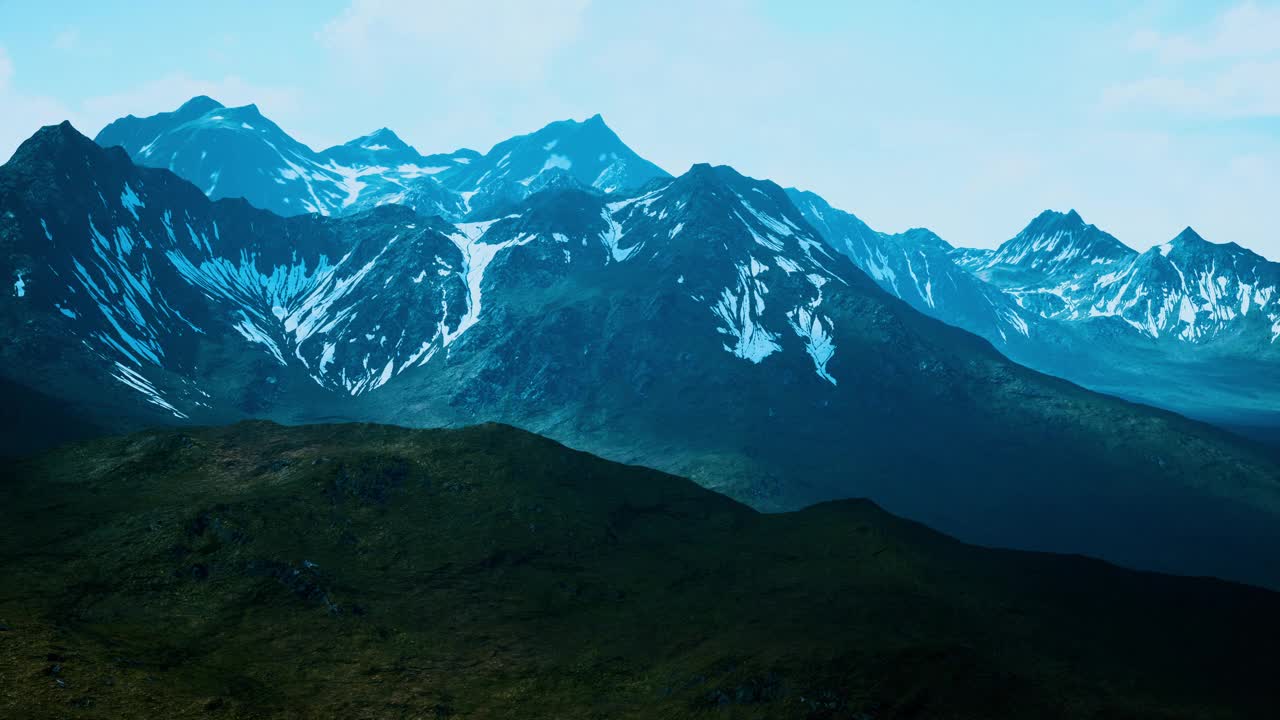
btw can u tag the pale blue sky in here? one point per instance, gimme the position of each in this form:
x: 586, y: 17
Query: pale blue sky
x: 968, y: 118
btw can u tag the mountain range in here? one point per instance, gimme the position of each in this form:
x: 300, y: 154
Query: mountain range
x: 712, y: 325
x: 1192, y: 330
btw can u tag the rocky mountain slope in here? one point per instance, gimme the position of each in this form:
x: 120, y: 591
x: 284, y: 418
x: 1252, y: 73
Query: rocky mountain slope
x: 368, y: 572
x: 700, y: 325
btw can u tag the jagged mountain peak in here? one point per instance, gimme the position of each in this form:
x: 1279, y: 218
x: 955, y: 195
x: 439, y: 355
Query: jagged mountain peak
x: 241, y: 118
x: 1189, y: 236
x: 1055, y: 220
x: 589, y: 150
x: 1190, y: 245
x: 57, y: 144
x: 592, y: 129
x: 925, y: 237
x: 796, y: 192
x: 238, y: 152
x: 199, y: 105
x: 707, y: 174
x: 722, y: 188
x: 250, y: 110
x: 383, y: 137
x: 594, y: 123
x: 1056, y: 243
x: 382, y: 147
x: 54, y: 134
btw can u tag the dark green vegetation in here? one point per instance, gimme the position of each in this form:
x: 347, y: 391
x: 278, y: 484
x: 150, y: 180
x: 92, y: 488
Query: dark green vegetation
x: 363, y: 571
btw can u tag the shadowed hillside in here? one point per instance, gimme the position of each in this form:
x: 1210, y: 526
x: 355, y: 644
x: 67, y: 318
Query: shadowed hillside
x: 364, y: 571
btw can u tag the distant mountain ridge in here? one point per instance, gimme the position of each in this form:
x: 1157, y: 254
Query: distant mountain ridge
x: 236, y: 152
x: 1189, y: 325
x: 1188, y: 289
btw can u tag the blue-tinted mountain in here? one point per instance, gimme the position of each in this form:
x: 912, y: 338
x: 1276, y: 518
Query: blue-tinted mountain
x: 237, y: 152
x: 587, y: 155
x: 588, y: 150
x: 1188, y: 290
x: 918, y: 267
x: 700, y: 325
x: 1192, y: 290
x: 1189, y: 325
x: 1052, y: 266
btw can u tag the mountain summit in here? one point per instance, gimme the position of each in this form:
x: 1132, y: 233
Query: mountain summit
x: 1054, y: 244
x: 585, y: 154
x: 1189, y: 236
x: 380, y: 147
x: 589, y: 150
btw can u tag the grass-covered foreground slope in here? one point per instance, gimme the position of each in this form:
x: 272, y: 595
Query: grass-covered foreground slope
x: 361, y: 571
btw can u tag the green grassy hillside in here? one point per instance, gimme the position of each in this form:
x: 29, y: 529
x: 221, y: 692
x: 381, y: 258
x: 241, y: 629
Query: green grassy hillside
x: 361, y: 571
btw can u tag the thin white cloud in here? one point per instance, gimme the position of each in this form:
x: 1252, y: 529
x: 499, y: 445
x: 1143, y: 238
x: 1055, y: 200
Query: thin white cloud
x: 1229, y: 67
x: 68, y: 39
x: 1245, y: 89
x: 453, y: 42
x: 23, y: 114
x: 1248, y: 30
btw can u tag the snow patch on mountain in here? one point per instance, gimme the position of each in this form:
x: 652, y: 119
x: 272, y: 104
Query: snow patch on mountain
x: 741, y: 308
x: 478, y: 255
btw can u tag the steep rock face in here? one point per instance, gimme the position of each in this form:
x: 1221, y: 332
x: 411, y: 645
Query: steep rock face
x: 699, y: 325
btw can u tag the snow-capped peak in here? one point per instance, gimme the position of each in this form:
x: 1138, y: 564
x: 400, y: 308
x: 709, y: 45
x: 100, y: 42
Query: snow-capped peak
x: 588, y: 150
